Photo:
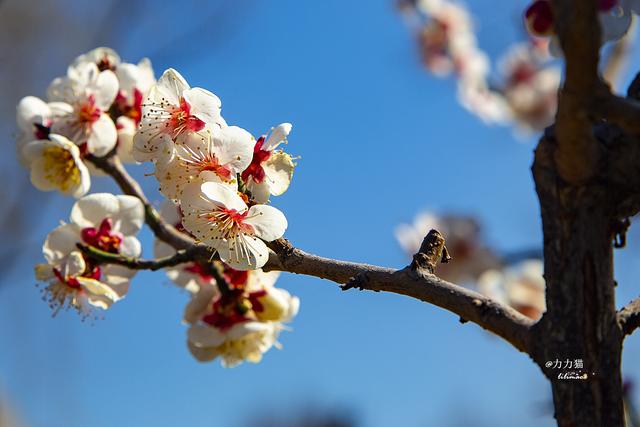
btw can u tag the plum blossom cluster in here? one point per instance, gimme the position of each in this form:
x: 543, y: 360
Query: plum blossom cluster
x: 218, y: 180
x: 91, y: 110
x: 237, y: 320
x: 476, y: 265
x: 522, y: 93
x: 615, y: 18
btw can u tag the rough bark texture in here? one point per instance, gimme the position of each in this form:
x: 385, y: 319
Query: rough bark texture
x: 581, y: 320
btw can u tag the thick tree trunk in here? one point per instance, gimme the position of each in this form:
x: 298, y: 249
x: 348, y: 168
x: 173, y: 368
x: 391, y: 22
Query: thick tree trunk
x: 580, y: 322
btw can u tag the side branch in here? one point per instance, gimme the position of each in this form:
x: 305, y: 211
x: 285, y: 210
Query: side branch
x: 101, y: 256
x: 629, y: 317
x: 416, y: 282
x: 111, y: 165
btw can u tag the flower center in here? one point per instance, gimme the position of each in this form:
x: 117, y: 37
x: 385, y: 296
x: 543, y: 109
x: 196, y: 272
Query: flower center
x: 122, y: 107
x: 228, y: 222
x: 182, y: 119
x: 105, y: 63
x: 60, y: 168
x: 211, y: 163
x: 102, y: 237
x: 255, y: 169
x: 228, y: 310
x: 522, y: 73
x: 88, y: 112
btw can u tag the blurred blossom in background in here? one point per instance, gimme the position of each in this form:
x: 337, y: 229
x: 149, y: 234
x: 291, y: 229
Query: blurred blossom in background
x: 370, y: 101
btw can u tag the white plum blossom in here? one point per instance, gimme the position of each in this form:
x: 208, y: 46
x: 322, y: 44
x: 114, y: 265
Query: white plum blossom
x: 136, y: 77
x: 217, y: 216
x: 445, y: 35
x: 470, y: 257
x: 89, y: 93
x: 106, y: 222
x: 34, y: 118
x: 56, y: 165
x: 206, y: 156
x: 488, y: 105
x: 240, y: 324
x: 171, y: 110
x: 521, y: 287
x: 103, y: 57
x: 530, y: 87
x: 270, y: 170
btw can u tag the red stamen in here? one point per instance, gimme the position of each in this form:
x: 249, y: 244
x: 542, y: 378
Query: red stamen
x: 255, y: 169
x: 102, y: 237
x: 89, y: 112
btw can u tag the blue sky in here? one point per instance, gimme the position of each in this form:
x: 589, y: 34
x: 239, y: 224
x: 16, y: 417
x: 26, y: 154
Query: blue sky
x: 379, y: 140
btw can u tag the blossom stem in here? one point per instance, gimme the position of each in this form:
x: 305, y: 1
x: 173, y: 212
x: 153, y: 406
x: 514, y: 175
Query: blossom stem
x: 101, y: 256
x: 111, y: 165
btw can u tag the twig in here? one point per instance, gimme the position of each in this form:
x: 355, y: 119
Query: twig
x: 111, y: 165
x: 629, y: 317
x: 101, y: 256
x: 414, y: 282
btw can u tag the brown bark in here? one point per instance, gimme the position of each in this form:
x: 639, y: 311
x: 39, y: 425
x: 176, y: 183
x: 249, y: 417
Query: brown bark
x: 581, y: 320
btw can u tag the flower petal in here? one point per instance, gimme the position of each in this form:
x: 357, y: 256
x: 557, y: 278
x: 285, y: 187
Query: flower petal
x: 105, y: 89
x: 129, y: 217
x: 199, y: 303
x: 243, y: 252
x: 234, y: 148
x: 204, y: 104
x: 170, y: 86
x: 278, y: 171
x: 205, y: 336
x: 268, y: 222
x: 277, y: 136
x: 31, y: 110
x: 222, y: 196
x: 130, y: 247
x: 103, y: 136
x: 90, y: 210
x: 60, y: 243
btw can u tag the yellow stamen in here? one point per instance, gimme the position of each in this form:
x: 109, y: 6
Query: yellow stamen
x: 60, y: 168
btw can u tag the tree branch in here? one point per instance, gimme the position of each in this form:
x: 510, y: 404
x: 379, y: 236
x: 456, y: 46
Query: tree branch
x: 629, y: 317
x: 577, y: 154
x: 101, y: 256
x: 414, y: 281
x: 111, y: 165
